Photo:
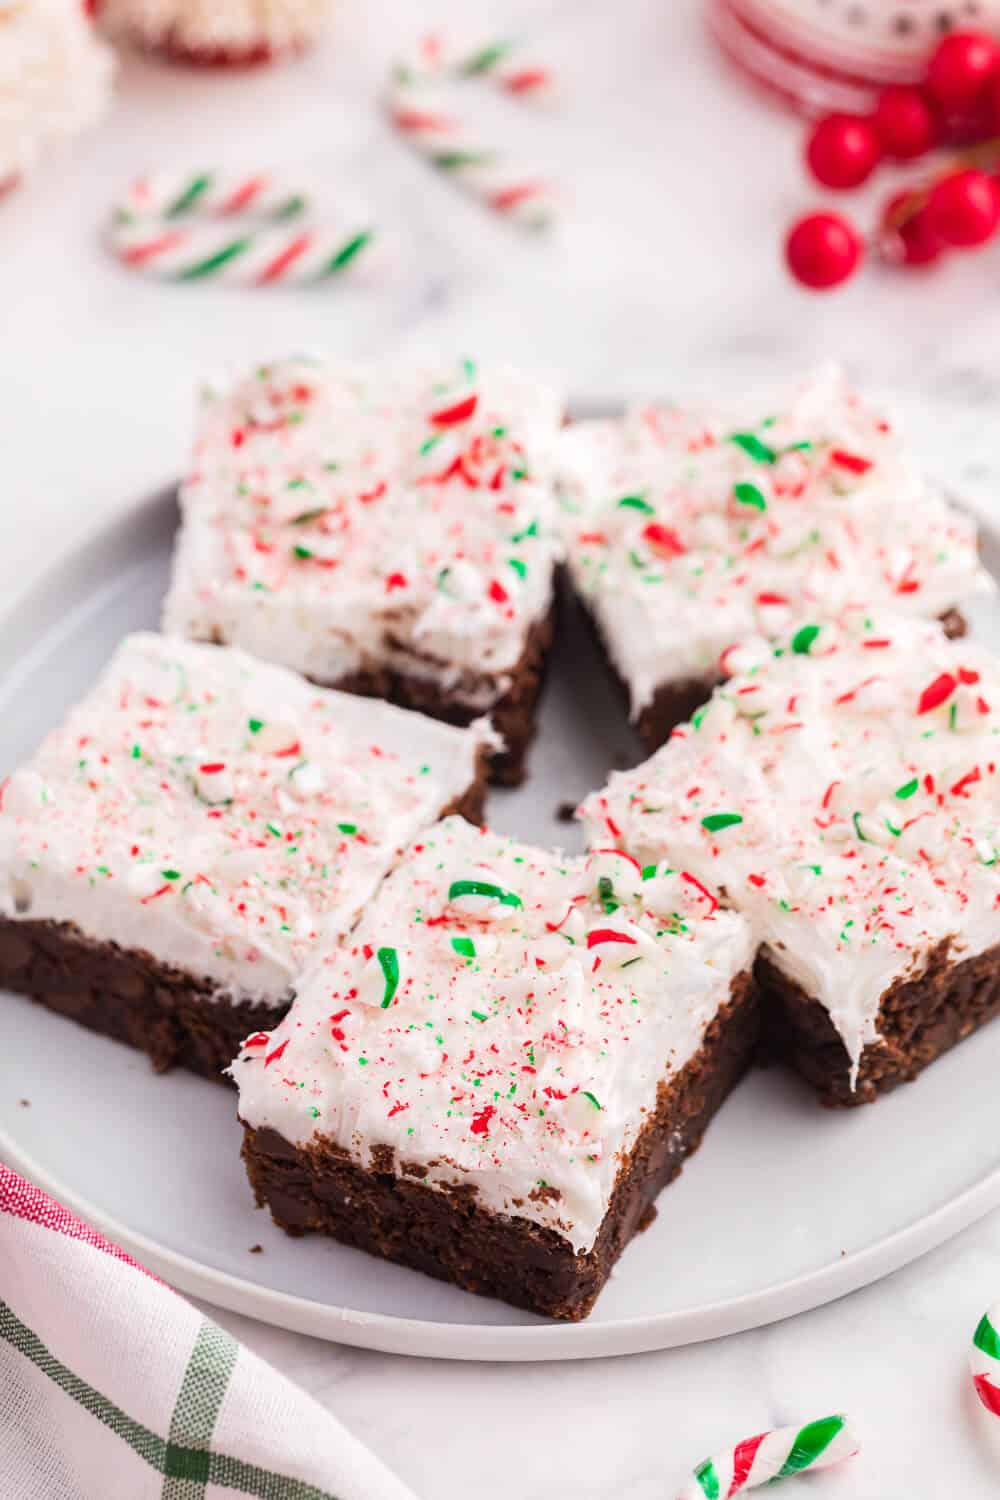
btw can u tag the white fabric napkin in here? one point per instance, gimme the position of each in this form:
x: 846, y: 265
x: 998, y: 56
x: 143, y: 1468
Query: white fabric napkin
x: 112, y: 1387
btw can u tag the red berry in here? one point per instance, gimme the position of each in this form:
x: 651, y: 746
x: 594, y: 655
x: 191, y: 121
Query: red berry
x: 904, y: 123
x: 823, y: 250
x: 843, y: 151
x: 991, y: 105
x: 964, y: 208
x: 961, y: 64
x: 907, y: 234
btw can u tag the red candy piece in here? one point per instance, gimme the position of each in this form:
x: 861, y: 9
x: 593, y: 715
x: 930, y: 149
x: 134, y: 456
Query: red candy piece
x: 823, y: 250
x: 843, y: 151
x: 963, y: 63
x: 664, y: 540
x: 964, y: 208
x: 904, y: 123
x: 450, y: 416
x: 939, y: 691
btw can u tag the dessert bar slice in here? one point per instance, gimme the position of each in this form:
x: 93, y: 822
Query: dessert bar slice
x: 688, y: 529
x: 494, y: 1075
x: 842, y: 791
x: 172, y: 853
x: 389, y: 532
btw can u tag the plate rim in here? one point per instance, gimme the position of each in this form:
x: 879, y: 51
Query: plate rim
x: 35, y: 610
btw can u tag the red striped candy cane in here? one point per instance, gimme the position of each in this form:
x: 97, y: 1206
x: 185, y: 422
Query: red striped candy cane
x: 420, y: 111
x: 252, y: 230
x: 772, y: 1455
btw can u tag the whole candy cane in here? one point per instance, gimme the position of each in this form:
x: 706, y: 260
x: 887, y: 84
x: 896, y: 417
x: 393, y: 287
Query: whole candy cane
x: 984, y: 1360
x: 250, y: 230
x: 419, y: 113
x: 772, y: 1455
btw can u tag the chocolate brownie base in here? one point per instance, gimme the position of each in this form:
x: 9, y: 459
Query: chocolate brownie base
x: 447, y: 1234
x: 128, y: 995
x: 178, y: 1020
x: 512, y: 715
x: 674, y: 703
x: 918, y: 1020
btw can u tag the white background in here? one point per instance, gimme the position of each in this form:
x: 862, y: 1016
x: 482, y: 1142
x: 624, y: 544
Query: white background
x: 664, y: 276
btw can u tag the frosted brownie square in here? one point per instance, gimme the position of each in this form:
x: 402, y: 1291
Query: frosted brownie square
x: 494, y: 1075
x: 690, y: 528
x: 389, y: 532
x: 841, y: 790
x: 172, y: 853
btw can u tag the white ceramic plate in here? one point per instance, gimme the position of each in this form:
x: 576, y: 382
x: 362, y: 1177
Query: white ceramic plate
x: 786, y: 1205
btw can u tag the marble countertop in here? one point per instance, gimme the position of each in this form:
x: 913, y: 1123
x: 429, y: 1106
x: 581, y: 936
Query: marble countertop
x: 663, y: 277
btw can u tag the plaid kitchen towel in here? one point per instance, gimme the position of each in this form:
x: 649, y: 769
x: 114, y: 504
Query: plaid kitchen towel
x: 112, y: 1387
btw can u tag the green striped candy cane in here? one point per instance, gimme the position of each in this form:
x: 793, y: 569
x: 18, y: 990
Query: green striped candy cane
x: 250, y: 230
x: 772, y: 1455
x: 426, y: 119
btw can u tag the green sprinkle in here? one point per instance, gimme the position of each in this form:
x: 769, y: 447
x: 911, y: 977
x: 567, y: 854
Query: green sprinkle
x: 389, y: 962
x: 749, y: 494
x: 907, y: 789
x: 348, y: 827
x: 274, y: 829
x: 464, y: 946
x: 856, y: 820
x: 303, y: 553
x: 802, y: 640
x: 171, y: 874
x: 478, y: 1015
x: 636, y: 502
x: 716, y: 821
x: 593, y: 1099
x: 520, y: 568
x: 482, y: 888
x: 521, y: 536
x: 606, y: 893
x: 698, y: 717
x: 649, y: 872
x: 753, y: 447
x: 255, y: 725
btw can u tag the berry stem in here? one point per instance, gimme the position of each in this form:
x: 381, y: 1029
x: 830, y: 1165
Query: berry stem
x: 984, y: 156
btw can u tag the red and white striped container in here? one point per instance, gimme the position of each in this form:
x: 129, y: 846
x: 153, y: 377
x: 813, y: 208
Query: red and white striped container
x: 821, y: 55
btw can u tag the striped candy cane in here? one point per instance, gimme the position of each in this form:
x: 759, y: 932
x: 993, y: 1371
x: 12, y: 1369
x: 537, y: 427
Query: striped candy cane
x: 984, y: 1360
x: 421, y: 115
x: 772, y: 1455
x: 250, y: 231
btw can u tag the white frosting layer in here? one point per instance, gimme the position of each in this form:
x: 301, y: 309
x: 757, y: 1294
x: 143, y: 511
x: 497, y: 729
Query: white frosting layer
x: 842, y: 790
x: 55, y: 79
x: 218, y: 813
x: 688, y: 529
x: 236, y: 26
x: 339, y: 519
x: 500, y: 1017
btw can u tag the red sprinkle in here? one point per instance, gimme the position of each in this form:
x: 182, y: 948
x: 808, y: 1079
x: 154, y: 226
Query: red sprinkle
x: 937, y: 692
x: 693, y: 880
x: 273, y: 1056
x: 449, y: 416
x: 481, y: 1122
x: 663, y: 540
x: 608, y: 935
x: 850, y: 461
x: 395, y: 581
